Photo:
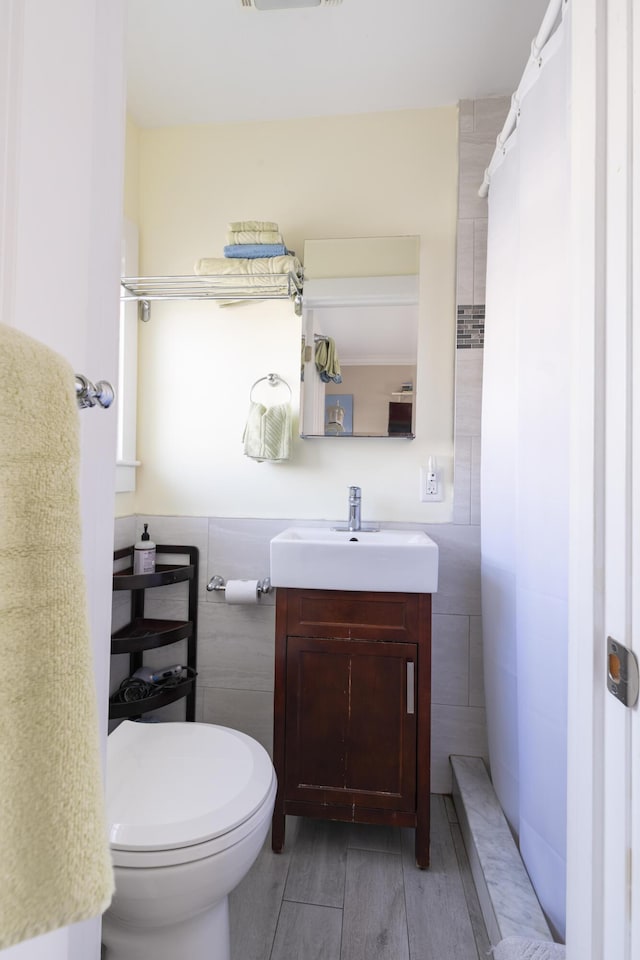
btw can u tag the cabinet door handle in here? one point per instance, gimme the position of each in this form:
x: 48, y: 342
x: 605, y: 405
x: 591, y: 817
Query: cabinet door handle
x: 410, y: 686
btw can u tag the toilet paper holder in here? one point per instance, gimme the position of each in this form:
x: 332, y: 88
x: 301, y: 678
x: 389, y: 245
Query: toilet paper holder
x: 218, y: 583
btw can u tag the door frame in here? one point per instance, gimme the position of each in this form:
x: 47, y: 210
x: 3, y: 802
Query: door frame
x: 62, y: 120
x: 602, y: 875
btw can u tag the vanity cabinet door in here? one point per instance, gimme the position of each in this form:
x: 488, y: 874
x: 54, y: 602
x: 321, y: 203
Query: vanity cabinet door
x: 351, y: 723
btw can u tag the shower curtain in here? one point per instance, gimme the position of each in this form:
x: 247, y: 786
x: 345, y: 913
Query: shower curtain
x: 525, y: 476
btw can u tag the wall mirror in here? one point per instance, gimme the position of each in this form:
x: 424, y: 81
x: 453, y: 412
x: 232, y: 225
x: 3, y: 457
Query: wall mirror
x: 360, y: 337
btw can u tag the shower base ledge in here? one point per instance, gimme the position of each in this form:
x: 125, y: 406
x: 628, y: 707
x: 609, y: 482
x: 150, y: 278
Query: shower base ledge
x: 509, y: 905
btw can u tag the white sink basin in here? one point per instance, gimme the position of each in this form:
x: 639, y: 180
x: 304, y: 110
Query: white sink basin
x: 383, y: 561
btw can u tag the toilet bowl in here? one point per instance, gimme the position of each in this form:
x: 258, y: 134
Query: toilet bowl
x: 189, y: 806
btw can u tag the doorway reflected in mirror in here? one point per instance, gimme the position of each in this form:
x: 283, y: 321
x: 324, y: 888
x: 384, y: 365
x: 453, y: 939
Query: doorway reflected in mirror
x: 361, y: 298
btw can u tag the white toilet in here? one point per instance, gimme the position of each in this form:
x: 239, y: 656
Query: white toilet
x: 189, y: 806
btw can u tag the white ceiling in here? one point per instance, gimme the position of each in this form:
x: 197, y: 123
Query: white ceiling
x: 207, y: 61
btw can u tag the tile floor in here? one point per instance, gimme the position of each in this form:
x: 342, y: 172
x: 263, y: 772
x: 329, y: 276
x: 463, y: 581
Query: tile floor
x: 352, y: 892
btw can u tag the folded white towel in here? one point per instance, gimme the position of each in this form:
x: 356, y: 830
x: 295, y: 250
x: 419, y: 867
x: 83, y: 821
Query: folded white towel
x: 56, y: 867
x: 223, y: 266
x: 254, y: 236
x: 267, y: 435
x: 236, y: 225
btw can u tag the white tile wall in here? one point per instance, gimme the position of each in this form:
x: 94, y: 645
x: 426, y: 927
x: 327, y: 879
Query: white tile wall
x: 475, y: 477
x: 475, y: 152
x: 476, y: 664
x: 236, y: 648
x: 450, y: 659
x: 459, y: 568
x: 468, y: 400
x: 458, y: 596
x: 489, y: 114
x: 462, y: 479
x: 479, y: 260
x: 465, y: 262
x: 248, y: 710
x: 239, y: 549
x: 466, y: 116
x: 454, y: 730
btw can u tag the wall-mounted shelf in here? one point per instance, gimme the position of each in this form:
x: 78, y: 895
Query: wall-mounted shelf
x: 226, y: 287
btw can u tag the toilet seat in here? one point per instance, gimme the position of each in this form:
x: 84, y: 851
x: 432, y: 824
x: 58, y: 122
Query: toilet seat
x: 182, y: 791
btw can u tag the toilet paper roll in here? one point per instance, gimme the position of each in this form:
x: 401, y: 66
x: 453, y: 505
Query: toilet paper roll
x: 241, y: 591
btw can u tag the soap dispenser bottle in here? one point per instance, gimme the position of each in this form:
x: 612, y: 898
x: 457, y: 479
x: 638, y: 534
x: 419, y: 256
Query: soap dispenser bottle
x: 144, y: 553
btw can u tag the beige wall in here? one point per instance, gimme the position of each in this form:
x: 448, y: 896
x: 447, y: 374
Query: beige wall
x: 373, y: 175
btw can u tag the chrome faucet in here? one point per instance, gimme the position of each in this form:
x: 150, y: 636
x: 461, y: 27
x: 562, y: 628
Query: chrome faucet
x: 353, y: 524
x: 355, y: 499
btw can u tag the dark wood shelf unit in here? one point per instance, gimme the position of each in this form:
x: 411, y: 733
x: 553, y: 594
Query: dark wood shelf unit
x: 352, y: 709
x: 145, y: 633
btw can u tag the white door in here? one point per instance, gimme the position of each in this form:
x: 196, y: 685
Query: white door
x: 604, y: 745
x: 61, y: 153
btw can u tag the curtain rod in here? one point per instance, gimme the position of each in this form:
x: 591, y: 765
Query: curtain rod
x: 554, y: 10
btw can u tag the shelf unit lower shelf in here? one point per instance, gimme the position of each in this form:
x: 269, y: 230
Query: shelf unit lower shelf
x: 120, y: 711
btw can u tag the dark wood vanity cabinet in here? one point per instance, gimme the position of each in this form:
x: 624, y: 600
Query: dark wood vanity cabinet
x: 352, y: 709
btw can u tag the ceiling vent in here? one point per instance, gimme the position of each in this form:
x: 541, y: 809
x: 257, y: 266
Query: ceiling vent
x: 288, y: 4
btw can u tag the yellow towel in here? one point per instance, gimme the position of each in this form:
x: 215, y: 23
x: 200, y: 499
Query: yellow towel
x: 267, y: 435
x: 225, y: 266
x: 239, y: 225
x: 55, y: 866
x: 254, y: 236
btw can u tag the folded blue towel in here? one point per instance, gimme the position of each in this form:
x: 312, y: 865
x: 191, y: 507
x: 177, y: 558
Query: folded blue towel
x: 254, y: 250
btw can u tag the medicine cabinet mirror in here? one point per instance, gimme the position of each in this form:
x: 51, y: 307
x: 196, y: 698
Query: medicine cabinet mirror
x: 360, y: 311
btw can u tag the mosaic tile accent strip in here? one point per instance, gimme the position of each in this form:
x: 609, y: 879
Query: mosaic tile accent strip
x: 470, y: 329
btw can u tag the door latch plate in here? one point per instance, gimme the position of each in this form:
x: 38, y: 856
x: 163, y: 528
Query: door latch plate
x: 623, y: 679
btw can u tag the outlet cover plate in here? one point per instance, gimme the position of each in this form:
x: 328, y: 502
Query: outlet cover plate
x: 425, y: 495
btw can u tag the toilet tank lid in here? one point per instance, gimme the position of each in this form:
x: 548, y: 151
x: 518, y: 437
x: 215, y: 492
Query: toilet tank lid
x: 172, y: 785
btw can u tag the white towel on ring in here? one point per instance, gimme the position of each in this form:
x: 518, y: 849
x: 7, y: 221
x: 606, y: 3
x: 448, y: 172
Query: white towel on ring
x: 267, y: 435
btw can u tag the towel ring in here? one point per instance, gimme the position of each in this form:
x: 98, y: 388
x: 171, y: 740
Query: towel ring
x: 274, y: 380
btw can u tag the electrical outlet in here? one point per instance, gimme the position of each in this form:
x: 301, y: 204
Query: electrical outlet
x: 430, y: 484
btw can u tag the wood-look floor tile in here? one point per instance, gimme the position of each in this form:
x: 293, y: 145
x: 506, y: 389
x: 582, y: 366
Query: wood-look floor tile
x: 318, y: 863
x: 279, y: 911
x: 375, y: 922
x: 307, y: 932
x: 476, y: 918
x: 369, y: 836
x: 452, y: 816
x: 255, y: 903
x: 437, y: 915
